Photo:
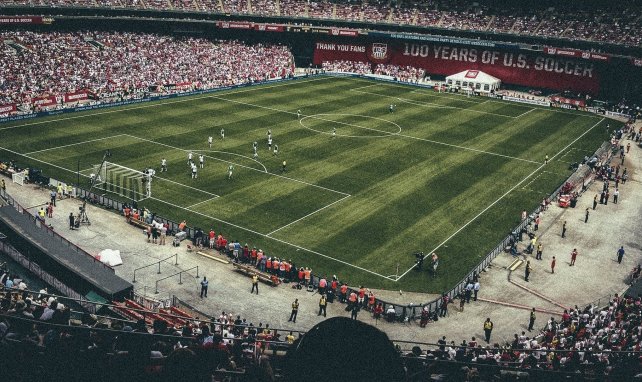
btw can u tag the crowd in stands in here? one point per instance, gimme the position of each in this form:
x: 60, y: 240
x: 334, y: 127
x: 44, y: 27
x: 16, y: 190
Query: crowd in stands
x: 127, y: 65
x: 400, y: 73
x: 616, y: 24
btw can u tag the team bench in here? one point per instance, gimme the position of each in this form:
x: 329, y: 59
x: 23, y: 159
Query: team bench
x: 249, y: 271
x: 139, y: 223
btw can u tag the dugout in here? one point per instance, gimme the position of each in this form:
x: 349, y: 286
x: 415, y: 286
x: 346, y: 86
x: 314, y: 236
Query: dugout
x: 475, y: 80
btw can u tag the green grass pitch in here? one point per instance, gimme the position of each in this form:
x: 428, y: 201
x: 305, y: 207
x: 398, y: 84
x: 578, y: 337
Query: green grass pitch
x: 442, y: 171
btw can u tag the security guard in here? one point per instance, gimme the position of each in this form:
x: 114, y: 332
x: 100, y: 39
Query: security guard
x: 488, y: 328
x: 323, y: 303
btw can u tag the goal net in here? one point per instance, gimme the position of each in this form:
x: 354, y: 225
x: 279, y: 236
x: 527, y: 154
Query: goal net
x: 124, y: 181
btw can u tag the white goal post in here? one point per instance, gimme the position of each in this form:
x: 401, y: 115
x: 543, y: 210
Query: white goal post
x: 124, y: 181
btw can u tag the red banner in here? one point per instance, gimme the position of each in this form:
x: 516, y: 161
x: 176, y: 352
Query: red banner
x: 269, y: 27
x: 8, y: 108
x: 20, y: 19
x: 77, y: 96
x: 527, y: 69
x: 44, y: 101
x: 576, y: 54
x: 568, y: 101
x: 344, y: 32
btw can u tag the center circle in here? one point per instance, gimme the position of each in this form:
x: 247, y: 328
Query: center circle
x: 382, y: 134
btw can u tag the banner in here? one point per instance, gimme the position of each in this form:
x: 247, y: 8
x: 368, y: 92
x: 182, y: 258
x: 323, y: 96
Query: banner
x: 233, y: 25
x: 44, y: 101
x: 7, y: 108
x: 568, y: 101
x: 576, y: 54
x: 527, y: 69
x: 269, y: 27
x: 77, y: 96
x: 636, y: 61
x: 21, y: 20
x: 439, y: 39
x: 526, y: 100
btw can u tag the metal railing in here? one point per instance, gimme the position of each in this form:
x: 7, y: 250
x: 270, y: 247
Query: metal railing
x: 180, y: 277
x: 154, y: 263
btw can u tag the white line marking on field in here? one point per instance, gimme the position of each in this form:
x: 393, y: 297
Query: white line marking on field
x: 310, y: 214
x: 190, y: 187
x: 366, y: 86
x: 204, y: 201
x: 526, y: 112
x: 275, y: 239
x: 156, y: 103
x: 73, y: 144
x: 315, y: 116
x: 238, y: 155
x: 503, y: 196
x: 240, y: 165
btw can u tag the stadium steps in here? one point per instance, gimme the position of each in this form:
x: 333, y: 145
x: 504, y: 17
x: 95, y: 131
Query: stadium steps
x: 17, y: 47
x: 220, y: 6
x: 441, y: 19
x: 249, y: 6
x: 95, y: 44
x: 544, y: 19
x: 278, y: 8
x: 415, y: 16
x: 490, y: 22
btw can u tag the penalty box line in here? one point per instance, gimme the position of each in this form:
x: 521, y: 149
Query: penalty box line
x: 240, y: 165
x: 73, y: 144
x: 273, y: 238
x: 504, y: 195
x: 308, y: 215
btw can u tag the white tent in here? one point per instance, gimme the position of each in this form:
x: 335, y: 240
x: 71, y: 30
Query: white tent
x: 475, y: 80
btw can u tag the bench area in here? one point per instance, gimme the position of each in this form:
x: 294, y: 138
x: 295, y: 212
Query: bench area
x: 249, y: 271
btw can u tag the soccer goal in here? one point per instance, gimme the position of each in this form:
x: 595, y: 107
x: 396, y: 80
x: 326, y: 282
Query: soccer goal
x: 124, y: 181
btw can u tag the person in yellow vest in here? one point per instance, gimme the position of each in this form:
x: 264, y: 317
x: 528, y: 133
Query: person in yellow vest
x: 255, y: 283
x: 41, y: 214
x: 289, y: 338
x: 295, y: 311
x: 323, y: 303
x: 60, y: 190
x: 488, y: 328
x: 70, y: 190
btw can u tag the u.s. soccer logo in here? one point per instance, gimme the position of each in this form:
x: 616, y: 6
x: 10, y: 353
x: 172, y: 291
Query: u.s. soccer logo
x: 379, y: 53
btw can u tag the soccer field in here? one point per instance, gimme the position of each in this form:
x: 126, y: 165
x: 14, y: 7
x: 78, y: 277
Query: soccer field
x: 364, y: 188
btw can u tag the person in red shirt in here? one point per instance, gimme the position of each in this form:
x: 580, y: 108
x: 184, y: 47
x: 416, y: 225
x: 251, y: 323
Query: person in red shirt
x: 268, y: 265
x: 301, y: 275
x: 362, y: 295
x: 212, y: 237
x: 344, y: 292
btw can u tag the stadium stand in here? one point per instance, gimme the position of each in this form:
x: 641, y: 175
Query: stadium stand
x: 127, y: 65
x: 615, y: 25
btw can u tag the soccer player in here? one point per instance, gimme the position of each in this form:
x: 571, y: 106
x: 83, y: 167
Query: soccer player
x: 276, y: 149
x: 163, y: 165
x: 255, y: 147
x: 194, y: 171
x: 269, y: 133
x: 201, y: 160
x: 189, y: 158
x: 209, y: 141
x: 270, y: 142
x: 298, y: 114
x: 222, y: 133
x: 334, y: 132
x: 230, y: 168
x: 283, y: 169
x: 391, y: 108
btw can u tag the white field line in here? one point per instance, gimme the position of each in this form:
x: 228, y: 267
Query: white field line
x: 365, y: 87
x: 73, y: 144
x: 526, y: 112
x: 186, y: 186
x: 381, y: 131
x: 503, y: 196
x: 310, y: 214
x: 240, y: 165
x: 120, y: 109
x: 275, y: 239
x: 235, y: 154
x: 204, y: 201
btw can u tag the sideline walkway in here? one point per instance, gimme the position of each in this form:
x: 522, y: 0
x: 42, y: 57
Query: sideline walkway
x: 595, y: 275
